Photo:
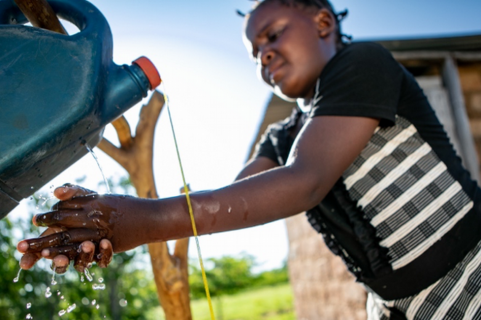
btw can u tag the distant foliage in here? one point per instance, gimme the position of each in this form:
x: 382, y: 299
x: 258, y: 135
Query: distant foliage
x: 230, y: 274
x: 272, y: 277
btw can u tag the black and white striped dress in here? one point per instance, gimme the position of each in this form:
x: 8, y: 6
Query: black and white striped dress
x: 412, y: 200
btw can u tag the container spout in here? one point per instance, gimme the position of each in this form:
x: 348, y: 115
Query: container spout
x: 127, y: 85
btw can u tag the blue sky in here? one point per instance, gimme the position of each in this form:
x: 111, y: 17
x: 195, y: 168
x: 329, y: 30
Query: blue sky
x: 217, y: 101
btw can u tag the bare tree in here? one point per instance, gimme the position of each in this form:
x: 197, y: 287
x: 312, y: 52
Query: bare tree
x: 135, y: 154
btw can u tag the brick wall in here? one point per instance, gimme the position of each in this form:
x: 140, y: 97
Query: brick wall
x: 322, y: 286
x: 470, y: 77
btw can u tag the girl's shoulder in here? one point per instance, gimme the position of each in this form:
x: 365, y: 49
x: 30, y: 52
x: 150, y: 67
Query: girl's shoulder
x: 364, y: 52
x: 360, y: 58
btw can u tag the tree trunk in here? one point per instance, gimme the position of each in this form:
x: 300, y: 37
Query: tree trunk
x: 135, y: 155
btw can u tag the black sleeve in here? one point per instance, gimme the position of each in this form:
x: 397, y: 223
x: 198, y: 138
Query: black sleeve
x: 362, y: 80
x: 265, y: 147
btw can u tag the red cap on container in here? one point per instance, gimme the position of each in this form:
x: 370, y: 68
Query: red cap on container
x: 150, y: 71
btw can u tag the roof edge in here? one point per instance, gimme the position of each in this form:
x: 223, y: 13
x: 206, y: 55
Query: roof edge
x: 459, y: 42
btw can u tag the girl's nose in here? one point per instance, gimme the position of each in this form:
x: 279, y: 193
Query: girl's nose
x: 266, y: 57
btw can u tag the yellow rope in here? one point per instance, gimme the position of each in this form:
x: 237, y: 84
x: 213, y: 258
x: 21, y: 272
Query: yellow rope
x: 191, y: 212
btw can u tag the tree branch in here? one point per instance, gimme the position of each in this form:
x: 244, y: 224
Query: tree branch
x: 115, y: 153
x: 123, y: 132
x: 40, y: 15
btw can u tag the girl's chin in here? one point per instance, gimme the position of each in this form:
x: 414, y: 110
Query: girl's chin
x: 282, y: 95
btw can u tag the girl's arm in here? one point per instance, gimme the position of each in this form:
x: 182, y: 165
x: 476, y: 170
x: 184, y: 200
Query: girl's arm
x: 323, y: 150
x: 256, y: 166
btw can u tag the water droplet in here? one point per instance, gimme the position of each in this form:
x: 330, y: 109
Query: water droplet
x: 58, y: 292
x: 53, y: 277
x: 31, y: 187
x: 48, y: 294
x: 87, y: 275
x: 18, y: 276
x: 62, y: 297
x: 97, y: 306
x: 123, y: 302
x: 101, y: 280
x: 82, y: 278
x: 94, y: 302
x: 71, y: 307
x: 98, y: 286
x: 29, y: 316
x: 62, y: 312
x: 29, y: 305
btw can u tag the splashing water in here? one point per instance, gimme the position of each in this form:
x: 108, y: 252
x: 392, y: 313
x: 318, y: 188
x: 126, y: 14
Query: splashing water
x: 98, y: 164
x: 18, y: 276
x: 29, y: 316
x: 71, y: 307
x: 48, y: 293
x: 53, y: 278
x: 98, y: 286
x: 87, y: 275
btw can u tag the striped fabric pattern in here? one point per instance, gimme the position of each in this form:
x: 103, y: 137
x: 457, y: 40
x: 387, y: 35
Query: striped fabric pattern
x: 407, y: 194
x: 454, y: 297
x: 405, y: 191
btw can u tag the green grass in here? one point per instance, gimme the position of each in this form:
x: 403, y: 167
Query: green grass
x: 267, y: 303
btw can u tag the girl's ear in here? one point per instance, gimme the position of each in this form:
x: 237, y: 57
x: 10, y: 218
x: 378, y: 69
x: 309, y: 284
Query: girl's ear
x: 326, y: 23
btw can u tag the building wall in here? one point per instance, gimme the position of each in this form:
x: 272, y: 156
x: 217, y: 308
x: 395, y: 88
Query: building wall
x: 470, y: 77
x: 323, y: 288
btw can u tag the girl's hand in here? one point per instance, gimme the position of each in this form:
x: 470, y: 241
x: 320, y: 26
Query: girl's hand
x: 82, y: 253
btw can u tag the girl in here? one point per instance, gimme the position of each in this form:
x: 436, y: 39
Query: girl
x: 365, y: 156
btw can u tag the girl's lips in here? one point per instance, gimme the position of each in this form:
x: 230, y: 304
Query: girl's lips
x: 273, y: 72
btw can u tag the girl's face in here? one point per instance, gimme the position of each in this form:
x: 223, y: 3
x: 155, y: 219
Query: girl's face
x: 291, y: 46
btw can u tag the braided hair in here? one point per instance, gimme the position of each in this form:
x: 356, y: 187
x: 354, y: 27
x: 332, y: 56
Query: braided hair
x: 342, y: 39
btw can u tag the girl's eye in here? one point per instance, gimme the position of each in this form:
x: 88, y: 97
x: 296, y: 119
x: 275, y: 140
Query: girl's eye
x: 273, y: 36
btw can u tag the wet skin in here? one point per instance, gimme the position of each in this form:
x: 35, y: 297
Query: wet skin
x: 264, y: 191
x: 59, y: 244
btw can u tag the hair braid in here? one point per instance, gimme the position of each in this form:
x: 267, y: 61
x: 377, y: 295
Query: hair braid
x: 342, y: 39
